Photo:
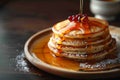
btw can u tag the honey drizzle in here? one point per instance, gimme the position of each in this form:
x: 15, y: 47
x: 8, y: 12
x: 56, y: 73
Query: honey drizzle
x: 76, y: 25
x: 83, y: 25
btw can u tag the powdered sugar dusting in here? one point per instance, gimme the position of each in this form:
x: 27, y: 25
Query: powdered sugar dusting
x: 104, y: 63
x: 21, y: 63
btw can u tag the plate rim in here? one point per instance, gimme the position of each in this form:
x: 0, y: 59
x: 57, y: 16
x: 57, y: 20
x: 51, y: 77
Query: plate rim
x: 48, y: 68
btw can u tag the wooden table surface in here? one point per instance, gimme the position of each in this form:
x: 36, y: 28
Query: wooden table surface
x: 21, y: 19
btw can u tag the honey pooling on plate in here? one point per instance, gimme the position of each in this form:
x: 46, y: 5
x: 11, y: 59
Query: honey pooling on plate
x: 82, y: 38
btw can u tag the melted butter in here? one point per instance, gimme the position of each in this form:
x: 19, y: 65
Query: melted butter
x: 41, y: 50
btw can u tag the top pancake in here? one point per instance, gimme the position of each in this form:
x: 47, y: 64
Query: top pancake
x: 97, y: 27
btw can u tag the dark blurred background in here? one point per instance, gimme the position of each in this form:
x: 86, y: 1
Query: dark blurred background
x: 57, y: 9
x: 46, y: 9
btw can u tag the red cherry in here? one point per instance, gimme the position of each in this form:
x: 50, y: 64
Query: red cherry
x: 77, y: 18
x: 85, y: 18
x: 70, y: 18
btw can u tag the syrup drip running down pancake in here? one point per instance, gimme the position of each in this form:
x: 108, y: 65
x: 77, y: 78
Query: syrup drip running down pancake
x: 82, y: 38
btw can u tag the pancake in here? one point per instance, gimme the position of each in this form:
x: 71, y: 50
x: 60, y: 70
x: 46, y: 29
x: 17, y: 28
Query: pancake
x: 86, y: 40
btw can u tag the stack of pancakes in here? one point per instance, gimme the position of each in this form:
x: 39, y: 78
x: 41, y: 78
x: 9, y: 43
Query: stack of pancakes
x: 80, y: 45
